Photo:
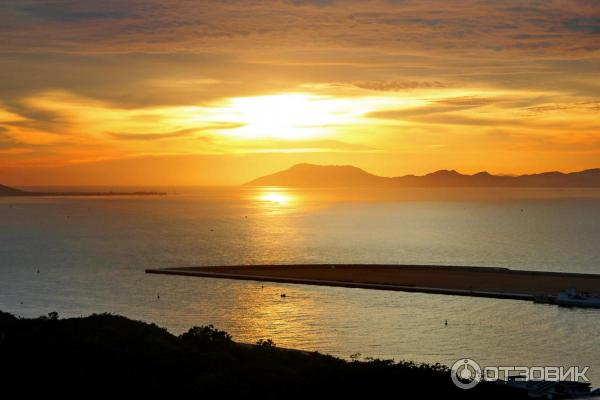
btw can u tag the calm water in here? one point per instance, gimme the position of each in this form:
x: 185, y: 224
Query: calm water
x: 91, y: 254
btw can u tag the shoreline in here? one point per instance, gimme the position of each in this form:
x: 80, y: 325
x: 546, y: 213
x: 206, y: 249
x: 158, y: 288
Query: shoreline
x: 500, y: 283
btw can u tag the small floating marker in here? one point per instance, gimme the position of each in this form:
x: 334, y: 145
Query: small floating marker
x: 446, y: 323
x: 158, y: 296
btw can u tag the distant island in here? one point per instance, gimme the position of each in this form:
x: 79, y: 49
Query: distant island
x: 9, y: 191
x: 310, y: 175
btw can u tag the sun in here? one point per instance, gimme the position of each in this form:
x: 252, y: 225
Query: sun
x: 299, y: 117
x: 285, y: 116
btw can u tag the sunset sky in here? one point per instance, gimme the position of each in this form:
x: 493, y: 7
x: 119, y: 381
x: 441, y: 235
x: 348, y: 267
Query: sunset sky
x: 179, y: 92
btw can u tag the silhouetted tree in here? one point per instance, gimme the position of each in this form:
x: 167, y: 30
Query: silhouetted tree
x: 268, y: 343
x: 203, y: 335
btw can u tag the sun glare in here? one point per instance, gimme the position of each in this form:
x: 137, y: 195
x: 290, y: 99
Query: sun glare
x: 287, y: 116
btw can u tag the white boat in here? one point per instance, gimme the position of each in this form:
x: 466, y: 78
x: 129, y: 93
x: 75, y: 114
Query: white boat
x: 571, y: 298
x: 541, y: 389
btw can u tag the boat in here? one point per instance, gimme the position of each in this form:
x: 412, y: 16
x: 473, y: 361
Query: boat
x: 569, y: 298
x: 572, y: 298
x: 542, y: 389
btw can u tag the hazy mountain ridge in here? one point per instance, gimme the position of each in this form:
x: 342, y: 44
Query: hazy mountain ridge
x: 8, y: 191
x: 310, y: 175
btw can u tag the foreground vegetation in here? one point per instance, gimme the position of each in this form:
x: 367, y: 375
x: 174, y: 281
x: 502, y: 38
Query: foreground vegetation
x: 112, y: 355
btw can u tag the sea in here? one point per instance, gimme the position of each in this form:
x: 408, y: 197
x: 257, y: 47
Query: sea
x: 88, y: 254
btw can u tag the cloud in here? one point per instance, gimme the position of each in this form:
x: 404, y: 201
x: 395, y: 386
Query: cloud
x: 586, y: 106
x: 11, y: 145
x: 465, y: 120
x: 141, y: 74
x: 274, y: 45
x: 151, y: 136
x: 439, y: 106
x: 408, y: 26
x: 584, y: 24
x: 82, y: 10
x: 396, y: 85
x: 6, y: 141
x: 271, y: 145
x: 466, y: 101
x: 174, y: 134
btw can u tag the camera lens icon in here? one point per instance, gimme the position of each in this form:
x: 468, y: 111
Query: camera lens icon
x: 465, y: 373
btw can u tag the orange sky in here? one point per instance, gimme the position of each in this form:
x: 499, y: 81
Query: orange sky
x: 192, y: 93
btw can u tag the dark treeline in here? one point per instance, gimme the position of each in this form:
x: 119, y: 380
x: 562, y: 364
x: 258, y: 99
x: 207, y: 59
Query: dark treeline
x: 113, y: 356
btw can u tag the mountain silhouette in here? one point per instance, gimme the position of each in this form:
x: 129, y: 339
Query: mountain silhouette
x: 8, y: 191
x: 310, y: 175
